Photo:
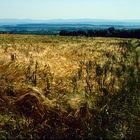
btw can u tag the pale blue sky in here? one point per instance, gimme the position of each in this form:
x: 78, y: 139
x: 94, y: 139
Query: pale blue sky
x: 70, y: 9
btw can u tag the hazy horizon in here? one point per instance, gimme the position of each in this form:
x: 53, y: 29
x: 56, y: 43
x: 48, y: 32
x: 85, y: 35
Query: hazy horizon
x: 74, y: 9
x: 53, y: 19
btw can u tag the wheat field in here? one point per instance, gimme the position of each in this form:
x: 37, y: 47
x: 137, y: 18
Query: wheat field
x: 69, y: 87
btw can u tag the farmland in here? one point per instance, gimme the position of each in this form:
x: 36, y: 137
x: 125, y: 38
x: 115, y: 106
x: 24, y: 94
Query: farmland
x: 69, y: 87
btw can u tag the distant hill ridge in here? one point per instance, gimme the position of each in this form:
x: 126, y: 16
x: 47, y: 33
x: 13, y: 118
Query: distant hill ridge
x: 70, y: 21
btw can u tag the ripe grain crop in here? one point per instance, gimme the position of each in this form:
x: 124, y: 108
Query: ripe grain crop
x: 69, y: 87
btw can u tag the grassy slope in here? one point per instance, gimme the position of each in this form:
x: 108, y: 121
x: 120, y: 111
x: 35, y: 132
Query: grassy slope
x: 62, y: 87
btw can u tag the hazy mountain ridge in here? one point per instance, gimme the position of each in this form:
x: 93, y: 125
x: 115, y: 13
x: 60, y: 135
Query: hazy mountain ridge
x: 70, y: 21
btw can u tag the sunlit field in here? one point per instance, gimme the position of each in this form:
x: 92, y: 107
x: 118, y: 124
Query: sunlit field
x: 69, y: 87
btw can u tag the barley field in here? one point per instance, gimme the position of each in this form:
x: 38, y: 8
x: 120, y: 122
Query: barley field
x: 54, y: 87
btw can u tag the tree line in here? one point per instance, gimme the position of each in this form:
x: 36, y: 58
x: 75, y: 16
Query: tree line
x: 110, y: 32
